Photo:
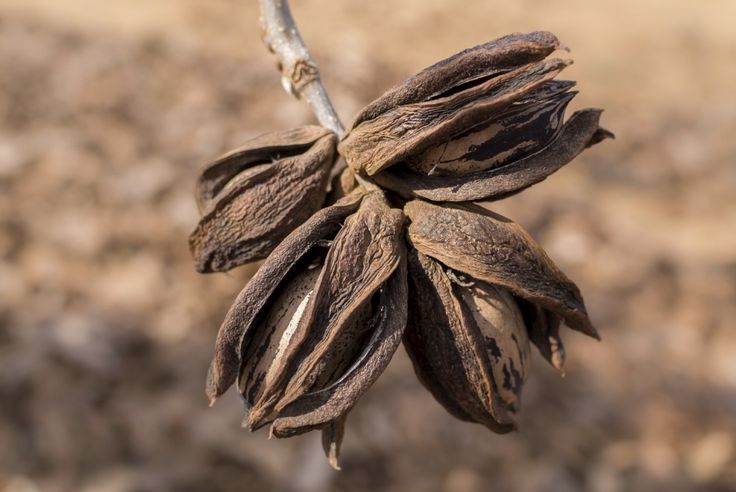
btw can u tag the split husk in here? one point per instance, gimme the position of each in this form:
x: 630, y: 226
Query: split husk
x: 253, y: 197
x: 468, y: 343
x: 323, y: 316
x: 480, y: 125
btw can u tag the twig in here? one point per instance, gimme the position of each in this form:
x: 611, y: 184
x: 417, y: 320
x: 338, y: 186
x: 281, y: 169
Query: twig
x: 299, y: 72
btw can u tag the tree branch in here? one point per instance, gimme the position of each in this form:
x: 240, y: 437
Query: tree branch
x: 299, y: 73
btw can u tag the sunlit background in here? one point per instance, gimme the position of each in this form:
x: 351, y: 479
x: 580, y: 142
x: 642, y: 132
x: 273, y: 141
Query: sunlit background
x: 108, y: 108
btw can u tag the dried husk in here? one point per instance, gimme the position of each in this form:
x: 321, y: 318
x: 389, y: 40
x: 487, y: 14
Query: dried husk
x: 339, y: 319
x: 478, y: 62
x: 408, y: 130
x: 257, y: 293
x: 578, y: 133
x: 518, y: 130
x: 315, y: 408
x: 491, y: 248
x: 468, y: 344
x: 480, y: 125
x: 253, y: 197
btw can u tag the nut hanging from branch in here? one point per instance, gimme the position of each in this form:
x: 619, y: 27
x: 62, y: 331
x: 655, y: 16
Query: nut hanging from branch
x: 393, y: 247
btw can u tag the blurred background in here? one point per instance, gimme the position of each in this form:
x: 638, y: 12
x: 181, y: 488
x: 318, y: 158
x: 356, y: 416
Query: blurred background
x: 107, y: 109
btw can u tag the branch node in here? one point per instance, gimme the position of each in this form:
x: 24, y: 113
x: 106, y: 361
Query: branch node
x: 299, y: 73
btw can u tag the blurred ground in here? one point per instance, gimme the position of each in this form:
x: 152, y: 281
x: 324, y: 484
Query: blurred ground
x: 106, y: 112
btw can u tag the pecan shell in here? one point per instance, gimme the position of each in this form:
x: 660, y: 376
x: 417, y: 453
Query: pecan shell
x: 491, y: 248
x: 468, y: 344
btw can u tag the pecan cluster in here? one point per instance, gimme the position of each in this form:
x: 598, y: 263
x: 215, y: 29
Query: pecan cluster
x: 392, y: 247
